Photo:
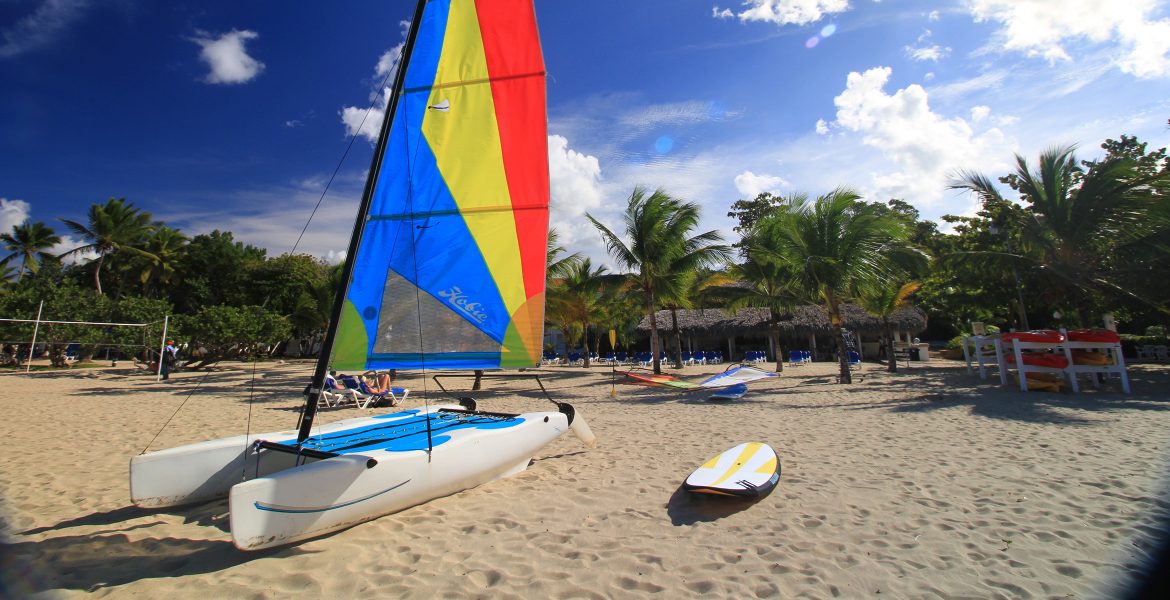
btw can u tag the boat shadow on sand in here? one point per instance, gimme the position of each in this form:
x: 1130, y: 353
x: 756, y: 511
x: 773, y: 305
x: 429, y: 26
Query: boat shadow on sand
x: 112, y: 556
x: 686, y: 508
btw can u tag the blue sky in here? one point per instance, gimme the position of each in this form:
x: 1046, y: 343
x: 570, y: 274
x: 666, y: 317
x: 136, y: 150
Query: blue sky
x: 233, y: 115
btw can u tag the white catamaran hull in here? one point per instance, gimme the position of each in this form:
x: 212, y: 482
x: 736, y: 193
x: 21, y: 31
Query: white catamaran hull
x: 336, y: 493
x: 274, y: 502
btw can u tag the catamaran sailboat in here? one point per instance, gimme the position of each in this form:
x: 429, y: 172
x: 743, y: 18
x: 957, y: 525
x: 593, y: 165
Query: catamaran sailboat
x: 445, y: 270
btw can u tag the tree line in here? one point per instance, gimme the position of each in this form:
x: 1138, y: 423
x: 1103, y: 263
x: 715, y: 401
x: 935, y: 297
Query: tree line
x: 1082, y: 238
x: 1078, y: 239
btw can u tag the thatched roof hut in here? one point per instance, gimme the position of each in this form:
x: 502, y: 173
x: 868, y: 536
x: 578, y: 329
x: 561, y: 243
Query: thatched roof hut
x: 805, y: 320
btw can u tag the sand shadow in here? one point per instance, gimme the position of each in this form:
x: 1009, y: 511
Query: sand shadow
x: 207, y: 514
x: 95, y: 561
x: 109, y: 517
x: 686, y: 508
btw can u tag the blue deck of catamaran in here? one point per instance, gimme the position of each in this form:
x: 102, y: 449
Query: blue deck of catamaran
x: 405, y: 431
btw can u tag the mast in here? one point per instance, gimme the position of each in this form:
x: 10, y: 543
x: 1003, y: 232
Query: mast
x: 313, y: 394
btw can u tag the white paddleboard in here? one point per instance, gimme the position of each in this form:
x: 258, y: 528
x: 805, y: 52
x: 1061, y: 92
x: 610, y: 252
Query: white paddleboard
x: 749, y: 470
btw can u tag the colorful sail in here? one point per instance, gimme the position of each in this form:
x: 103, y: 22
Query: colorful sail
x: 450, y: 272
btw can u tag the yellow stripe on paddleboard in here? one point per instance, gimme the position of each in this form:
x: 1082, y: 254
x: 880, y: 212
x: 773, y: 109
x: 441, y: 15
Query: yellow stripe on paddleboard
x: 744, y: 456
x: 767, y: 468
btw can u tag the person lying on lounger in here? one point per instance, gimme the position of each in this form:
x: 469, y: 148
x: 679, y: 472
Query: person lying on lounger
x: 379, y: 383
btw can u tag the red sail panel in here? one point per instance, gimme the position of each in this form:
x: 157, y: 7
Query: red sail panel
x: 511, y: 45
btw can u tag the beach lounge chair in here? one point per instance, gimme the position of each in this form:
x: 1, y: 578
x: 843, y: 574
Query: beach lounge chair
x: 334, y: 396
x: 854, y: 359
x: 795, y: 358
x: 391, y: 397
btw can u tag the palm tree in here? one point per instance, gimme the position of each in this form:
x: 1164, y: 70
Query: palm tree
x: 766, y: 284
x: 167, y: 246
x: 113, y: 227
x: 661, y: 250
x: 833, y: 247
x: 29, y: 242
x: 577, y: 297
x: 5, y: 277
x: 557, y: 265
x: 883, y: 300
x: 620, y: 311
x: 1079, y: 220
x: 314, y: 307
x: 700, y: 286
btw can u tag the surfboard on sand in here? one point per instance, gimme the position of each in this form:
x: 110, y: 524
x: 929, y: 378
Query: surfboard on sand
x: 734, y: 392
x: 749, y: 470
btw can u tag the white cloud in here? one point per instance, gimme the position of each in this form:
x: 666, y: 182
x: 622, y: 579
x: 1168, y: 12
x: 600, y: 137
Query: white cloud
x: 932, y: 52
x: 1139, y: 44
x: 751, y: 185
x: 367, y: 121
x: 40, y: 28
x: 925, y: 147
x: 272, y: 217
x: 16, y: 212
x: 388, y: 62
x: 722, y: 14
x: 575, y: 188
x: 786, y: 12
x: 822, y: 127
x: 1005, y: 120
x: 226, y: 56
x: 962, y: 88
x: 68, y: 243
x: 932, y: 16
x: 12, y: 213
x: 637, y: 119
x: 978, y: 113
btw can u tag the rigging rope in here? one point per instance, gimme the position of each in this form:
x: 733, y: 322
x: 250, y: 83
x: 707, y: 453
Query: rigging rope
x: 313, y: 213
x: 348, y: 147
x: 417, y: 294
x: 248, y: 428
x: 181, y: 404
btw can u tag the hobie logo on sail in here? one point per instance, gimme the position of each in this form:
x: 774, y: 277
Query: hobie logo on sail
x: 458, y: 299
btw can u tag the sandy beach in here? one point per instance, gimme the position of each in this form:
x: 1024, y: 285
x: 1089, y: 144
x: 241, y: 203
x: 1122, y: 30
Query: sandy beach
x: 928, y: 483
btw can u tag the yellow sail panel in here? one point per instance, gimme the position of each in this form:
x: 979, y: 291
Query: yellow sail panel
x: 466, y: 143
